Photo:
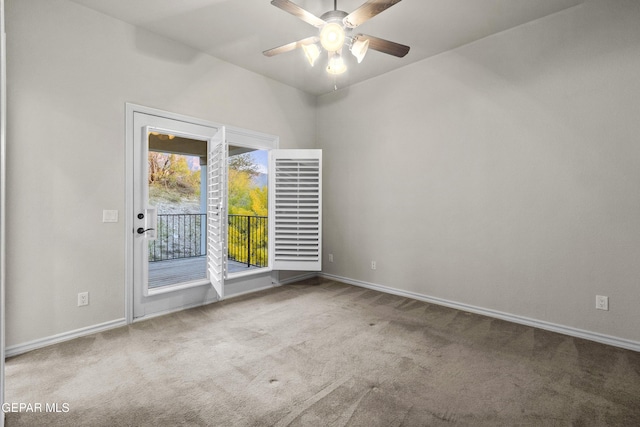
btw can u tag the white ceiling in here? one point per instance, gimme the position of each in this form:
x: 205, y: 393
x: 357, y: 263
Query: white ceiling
x: 237, y: 31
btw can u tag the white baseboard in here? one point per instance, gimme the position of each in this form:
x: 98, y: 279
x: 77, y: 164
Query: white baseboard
x: 250, y: 291
x: 565, y: 330
x: 173, y: 310
x: 297, y: 278
x: 66, y: 336
x: 540, y: 324
x: 15, y: 350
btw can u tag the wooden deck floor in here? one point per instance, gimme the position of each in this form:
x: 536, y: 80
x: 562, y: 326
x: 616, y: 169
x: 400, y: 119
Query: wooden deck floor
x: 170, y: 272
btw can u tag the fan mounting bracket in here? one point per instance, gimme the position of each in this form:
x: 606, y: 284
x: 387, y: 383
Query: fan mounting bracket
x: 334, y: 16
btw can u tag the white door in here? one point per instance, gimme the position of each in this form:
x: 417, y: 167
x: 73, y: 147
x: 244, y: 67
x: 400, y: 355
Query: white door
x: 176, y: 279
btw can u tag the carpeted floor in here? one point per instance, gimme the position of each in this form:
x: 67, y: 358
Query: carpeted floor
x: 321, y: 353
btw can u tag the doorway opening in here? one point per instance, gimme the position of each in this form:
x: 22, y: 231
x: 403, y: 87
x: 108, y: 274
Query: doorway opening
x: 292, y: 240
x: 177, y: 190
x: 248, y: 207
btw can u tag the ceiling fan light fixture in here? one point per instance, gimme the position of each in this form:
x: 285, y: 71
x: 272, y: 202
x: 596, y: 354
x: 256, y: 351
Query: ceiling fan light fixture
x: 312, y: 52
x: 335, y: 31
x: 359, y: 49
x: 336, y: 65
x: 332, y: 37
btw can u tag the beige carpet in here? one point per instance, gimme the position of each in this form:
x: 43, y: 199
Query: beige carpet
x: 322, y: 353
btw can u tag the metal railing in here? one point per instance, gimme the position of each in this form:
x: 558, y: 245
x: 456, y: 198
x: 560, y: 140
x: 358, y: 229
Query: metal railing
x: 178, y: 236
x: 183, y: 236
x: 247, y: 240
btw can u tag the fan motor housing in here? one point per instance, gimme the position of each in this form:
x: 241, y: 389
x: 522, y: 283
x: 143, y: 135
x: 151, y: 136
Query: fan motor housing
x: 334, y: 16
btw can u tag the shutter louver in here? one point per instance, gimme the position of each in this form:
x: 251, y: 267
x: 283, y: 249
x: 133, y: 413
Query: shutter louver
x: 297, y: 210
x: 216, y: 212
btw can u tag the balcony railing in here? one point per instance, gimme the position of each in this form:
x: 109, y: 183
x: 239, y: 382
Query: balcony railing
x: 247, y: 240
x: 178, y: 236
x: 183, y: 236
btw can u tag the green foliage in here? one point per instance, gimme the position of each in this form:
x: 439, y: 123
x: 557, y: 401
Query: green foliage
x: 245, y: 198
x: 170, y: 173
x: 239, y: 187
x: 251, y: 231
x: 259, y: 201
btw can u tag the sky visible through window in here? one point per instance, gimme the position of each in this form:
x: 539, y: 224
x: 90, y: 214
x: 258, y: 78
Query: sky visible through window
x: 260, y: 158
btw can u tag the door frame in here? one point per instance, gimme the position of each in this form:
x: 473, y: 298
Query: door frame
x: 130, y: 110
x: 243, y: 282
x: 243, y: 138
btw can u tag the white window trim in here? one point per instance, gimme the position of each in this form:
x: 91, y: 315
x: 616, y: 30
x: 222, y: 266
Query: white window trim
x: 178, y: 287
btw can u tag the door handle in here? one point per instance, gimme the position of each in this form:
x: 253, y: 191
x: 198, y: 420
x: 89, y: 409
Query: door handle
x: 150, y: 216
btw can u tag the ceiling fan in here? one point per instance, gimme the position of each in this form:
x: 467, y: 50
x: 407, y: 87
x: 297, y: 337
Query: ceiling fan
x: 335, y: 32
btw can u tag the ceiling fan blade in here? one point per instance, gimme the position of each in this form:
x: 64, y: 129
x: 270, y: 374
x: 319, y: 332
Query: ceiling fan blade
x: 299, y: 12
x: 291, y: 46
x: 384, y: 46
x: 367, y: 11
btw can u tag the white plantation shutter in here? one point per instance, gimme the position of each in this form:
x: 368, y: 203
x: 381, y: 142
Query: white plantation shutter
x: 295, y: 199
x: 216, y: 211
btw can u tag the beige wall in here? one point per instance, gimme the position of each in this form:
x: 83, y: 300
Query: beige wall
x: 70, y: 72
x: 502, y: 175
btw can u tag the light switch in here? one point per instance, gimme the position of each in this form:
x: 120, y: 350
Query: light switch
x: 109, y: 216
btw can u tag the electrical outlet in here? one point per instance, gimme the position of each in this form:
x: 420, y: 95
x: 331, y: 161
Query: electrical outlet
x: 373, y: 265
x: 83, y: 299
x: 330, y: 257
x: 602, y: 302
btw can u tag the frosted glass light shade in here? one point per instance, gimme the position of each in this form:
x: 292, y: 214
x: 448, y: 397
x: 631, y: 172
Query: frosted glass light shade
x: 359, y: 49
x: 336, y: 65
x: 312, y: 53
x: 332, y: 37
